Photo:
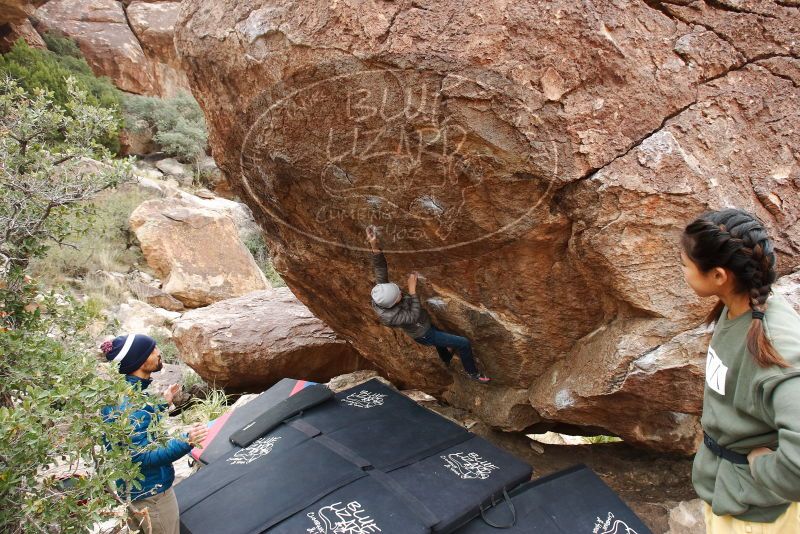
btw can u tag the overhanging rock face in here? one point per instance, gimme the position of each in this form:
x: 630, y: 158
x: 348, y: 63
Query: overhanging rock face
x: 535, y: 161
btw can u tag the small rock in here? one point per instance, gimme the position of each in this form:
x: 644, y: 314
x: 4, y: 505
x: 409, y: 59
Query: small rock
x: 342, y: 382
x: 179, y: 171
x: 418, y: 396
x: 687, y: 518
x: 205, y: 194
x: 552, y: 84
x: 155, y: 296
x: 139, y: 317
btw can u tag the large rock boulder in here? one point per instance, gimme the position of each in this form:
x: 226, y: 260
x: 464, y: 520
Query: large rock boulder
x: 251, y: 342
x: 153, y: 24
x: 195, y: 251
x: 14, y: 23
x: 101, y: 30
x: 131, y: 45
x: 535, y: 161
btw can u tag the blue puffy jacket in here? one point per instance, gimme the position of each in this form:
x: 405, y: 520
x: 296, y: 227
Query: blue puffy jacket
x: 155, y: 464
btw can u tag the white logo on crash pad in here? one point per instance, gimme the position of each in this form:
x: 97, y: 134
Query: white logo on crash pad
x: 259, y: 448
x: 611, y: 525
x: 716, y: 371
x: 469, y: 465
x: 338, y: 518
x: 364, y: 399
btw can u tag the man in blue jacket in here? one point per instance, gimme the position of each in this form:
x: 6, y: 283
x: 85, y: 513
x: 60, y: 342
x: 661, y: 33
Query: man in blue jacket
x: 153, y: 508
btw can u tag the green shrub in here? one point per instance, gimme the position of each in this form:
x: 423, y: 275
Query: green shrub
x: 258, y: 248
x: 33, y: 68
x: 62, y: 45
x: 51, y: 391
x: 178, y: 123
x: 53, y: 163
x: 202, y: 410
x: 597, y: 440
x: 52, y: 429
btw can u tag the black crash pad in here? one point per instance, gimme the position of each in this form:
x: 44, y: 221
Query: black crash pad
x: 273, y: 490
x: 219, y: 445
x: 404, y: 466
x: 455, y: 483
x: 572, y: 501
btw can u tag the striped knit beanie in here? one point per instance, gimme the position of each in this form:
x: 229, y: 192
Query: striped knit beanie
x: 129, y: 351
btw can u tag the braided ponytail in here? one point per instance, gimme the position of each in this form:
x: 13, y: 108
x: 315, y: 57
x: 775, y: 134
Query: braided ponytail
x: 737, y: 241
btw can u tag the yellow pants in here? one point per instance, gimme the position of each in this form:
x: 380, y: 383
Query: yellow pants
x: 788, y: 523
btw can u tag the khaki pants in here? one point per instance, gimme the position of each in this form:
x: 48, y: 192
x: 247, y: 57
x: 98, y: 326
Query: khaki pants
x: 162, y: 510
x: 788, y: 523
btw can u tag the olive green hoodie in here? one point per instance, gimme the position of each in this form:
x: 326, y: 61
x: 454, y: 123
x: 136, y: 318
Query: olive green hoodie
x: 746, y: 406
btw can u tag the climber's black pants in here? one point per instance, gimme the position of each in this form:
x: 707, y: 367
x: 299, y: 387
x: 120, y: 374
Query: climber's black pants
x: 443, y: 340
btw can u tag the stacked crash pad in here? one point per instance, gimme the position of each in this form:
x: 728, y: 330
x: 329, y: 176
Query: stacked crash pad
x: 365, y: 460
x: 369, y: 458
x: 217, y: 443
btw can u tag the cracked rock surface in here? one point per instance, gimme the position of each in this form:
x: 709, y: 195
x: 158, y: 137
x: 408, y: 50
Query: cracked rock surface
x: 534, y: 161
x: 130, y: 42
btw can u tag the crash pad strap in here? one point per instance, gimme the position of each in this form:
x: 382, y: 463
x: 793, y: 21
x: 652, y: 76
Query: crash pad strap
x: 434, y: 449
x: 343, y: 451
x: 307, y: 398
x: 307, y: 429
x: 510, y: 503
x: 417, y: 506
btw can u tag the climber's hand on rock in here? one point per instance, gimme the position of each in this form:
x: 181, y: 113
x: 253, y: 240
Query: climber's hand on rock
x: 372, y: 237
x: 412, y: 283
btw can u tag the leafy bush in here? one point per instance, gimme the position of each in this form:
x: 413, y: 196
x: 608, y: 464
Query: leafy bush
x: 258, y: 248
x: 52, y: 162
x: 55, y: 473
x: 50, y: 400
x: 178, y: 123
x: 48, y: 70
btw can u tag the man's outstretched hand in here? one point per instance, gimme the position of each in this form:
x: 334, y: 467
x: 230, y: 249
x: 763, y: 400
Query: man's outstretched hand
x: 170, y: 392
x: 197, y: 433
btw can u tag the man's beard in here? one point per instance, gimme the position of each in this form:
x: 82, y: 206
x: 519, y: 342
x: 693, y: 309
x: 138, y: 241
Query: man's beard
x: 159, y: 366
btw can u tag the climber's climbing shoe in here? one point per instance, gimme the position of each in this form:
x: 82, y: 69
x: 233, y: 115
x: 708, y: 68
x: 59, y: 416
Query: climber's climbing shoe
x: 479, y: 377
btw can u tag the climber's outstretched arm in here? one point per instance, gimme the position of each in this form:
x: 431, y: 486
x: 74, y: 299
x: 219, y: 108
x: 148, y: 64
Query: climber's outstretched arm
x: 378, y: 259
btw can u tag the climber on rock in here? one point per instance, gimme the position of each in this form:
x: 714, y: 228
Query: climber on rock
x: 397, y: 310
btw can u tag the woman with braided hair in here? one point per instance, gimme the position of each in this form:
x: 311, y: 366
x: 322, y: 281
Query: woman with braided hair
x: 748, y: 469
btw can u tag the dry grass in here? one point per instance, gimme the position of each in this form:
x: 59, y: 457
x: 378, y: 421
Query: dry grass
x: 101, y: 245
